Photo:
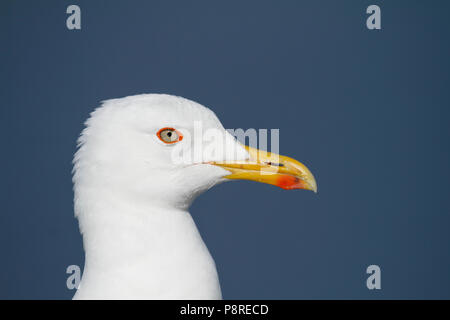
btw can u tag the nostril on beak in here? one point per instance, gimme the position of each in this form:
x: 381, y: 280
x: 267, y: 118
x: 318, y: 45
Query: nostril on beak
x: 275, y: 164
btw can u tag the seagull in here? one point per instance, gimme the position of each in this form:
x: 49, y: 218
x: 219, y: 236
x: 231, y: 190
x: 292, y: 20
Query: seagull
x: 138, y: 167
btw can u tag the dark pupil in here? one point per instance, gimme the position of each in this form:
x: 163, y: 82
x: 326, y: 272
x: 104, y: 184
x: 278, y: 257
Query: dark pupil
x: 169, y: 134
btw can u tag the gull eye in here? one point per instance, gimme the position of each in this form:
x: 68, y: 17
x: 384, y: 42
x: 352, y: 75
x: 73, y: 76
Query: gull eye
x: 169, y: 135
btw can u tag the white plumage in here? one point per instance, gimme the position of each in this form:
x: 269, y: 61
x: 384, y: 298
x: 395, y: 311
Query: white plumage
x: 132, y: 202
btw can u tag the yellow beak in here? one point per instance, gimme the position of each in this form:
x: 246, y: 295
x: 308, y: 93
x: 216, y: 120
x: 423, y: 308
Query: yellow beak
x: 271, y: 168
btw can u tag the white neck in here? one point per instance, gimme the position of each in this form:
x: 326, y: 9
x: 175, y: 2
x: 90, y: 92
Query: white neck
x: 143, y: 252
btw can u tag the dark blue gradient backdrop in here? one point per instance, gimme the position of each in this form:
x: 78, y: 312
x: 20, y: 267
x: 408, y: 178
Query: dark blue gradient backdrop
x: 367, y: 111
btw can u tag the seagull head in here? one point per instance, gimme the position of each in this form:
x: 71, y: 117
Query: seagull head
x: 167, y: 150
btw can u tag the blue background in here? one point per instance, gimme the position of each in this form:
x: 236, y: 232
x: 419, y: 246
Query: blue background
x: 367, y: 111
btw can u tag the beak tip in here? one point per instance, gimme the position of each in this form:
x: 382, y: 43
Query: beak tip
x: 314, y: 187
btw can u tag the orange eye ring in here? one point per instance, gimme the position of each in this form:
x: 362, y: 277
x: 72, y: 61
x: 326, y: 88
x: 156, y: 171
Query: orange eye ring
x: 169, y: 135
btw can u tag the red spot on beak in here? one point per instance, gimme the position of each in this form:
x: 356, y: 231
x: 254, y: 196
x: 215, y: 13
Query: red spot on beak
x: 288, y: 182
